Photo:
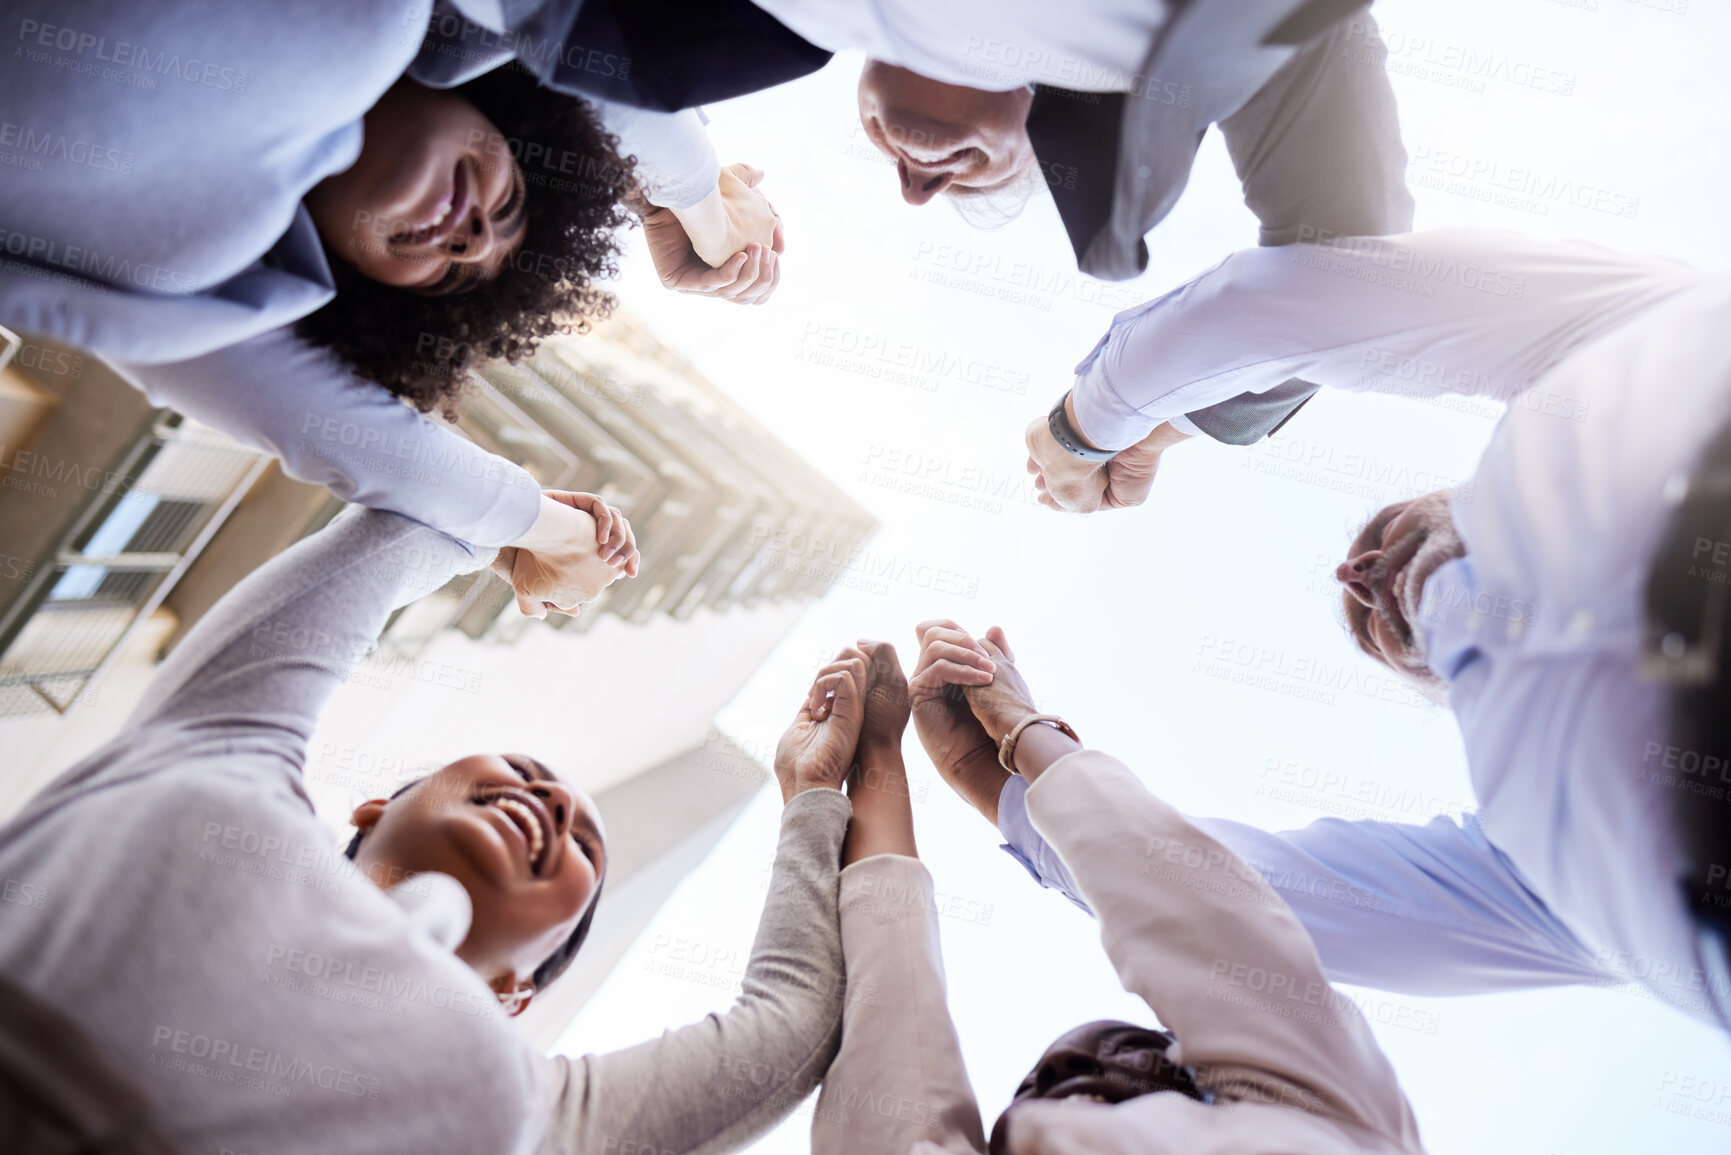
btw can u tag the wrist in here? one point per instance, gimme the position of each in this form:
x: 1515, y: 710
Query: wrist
x: 979, y: 779
x: 552, y: 527
x: 797, y: 786
x: 560, y: 528
x: 881, y: 771
x: 999, y: 726
x: 880, y: 747
x: 1061, y: 422
x: 705, y: 222
x: 543, y: 530
x: 1039, y: 746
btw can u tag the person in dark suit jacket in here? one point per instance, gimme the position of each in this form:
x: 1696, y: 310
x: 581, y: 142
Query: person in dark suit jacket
x: 957, y: 93
x: 1298, y: 90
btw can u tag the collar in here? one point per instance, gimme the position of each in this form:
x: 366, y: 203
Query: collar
x: 1447, y: 617
x: 436, y: 905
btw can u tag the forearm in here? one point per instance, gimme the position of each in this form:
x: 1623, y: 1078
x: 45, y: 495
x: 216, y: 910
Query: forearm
x: 705, y: 221
x: 557, y: 525
x: 1465, y: 311
x: 883, y: 813
x: 1039, y: 747
x: 717, y: 1084
x: 328, y: 427
x: 1428, y: 910
x: 899, y: 1077
x: 276, y: 645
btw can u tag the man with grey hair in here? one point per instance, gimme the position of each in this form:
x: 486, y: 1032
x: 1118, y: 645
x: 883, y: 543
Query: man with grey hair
x: 1526, y: 597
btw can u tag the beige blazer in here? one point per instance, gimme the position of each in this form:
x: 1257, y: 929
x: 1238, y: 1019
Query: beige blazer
x: 1191, y: 928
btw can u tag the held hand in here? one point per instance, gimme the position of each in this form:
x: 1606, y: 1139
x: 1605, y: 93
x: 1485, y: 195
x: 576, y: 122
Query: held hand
x: 817, y: 751
x: 747, y: 218
x: 1000, y: 706
x: 886, y: 705
x: 615, y: 540
x: 578, y: 547
x: 1064, y: 481
x: 746, y: 278
x: 965, y: 755
x: 746, y: 252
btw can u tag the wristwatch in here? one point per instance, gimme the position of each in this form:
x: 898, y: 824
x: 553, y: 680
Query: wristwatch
x: 1058, y: 421
x: 1007, y: 746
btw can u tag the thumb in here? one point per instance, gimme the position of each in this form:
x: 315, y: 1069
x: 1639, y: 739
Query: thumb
x: 751, y: 175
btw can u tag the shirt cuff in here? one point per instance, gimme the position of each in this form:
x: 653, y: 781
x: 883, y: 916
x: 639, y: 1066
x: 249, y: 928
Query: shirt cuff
x: 1027, y: 847
x: 1103, y: 417
x: 1182, y: 423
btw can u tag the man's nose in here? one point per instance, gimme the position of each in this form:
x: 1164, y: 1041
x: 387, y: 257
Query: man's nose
x: 920, y: 185
x: 1355, y: 573
x: 473, y: 242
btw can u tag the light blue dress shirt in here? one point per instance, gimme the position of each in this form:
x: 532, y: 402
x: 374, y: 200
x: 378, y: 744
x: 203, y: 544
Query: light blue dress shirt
x: 1616, y: 374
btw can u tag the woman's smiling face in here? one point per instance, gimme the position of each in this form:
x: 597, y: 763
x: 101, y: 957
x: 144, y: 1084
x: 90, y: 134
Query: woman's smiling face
x: 527, y: 848
x: 435, y: 204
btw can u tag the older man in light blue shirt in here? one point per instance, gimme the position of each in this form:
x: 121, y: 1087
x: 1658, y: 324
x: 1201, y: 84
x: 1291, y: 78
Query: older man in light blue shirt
x: 1519, y: 599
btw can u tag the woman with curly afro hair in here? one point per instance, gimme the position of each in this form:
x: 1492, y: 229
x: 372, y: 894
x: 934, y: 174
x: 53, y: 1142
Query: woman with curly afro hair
x: 485, y: 215
x: 307, y: 248
x: 439, y: 230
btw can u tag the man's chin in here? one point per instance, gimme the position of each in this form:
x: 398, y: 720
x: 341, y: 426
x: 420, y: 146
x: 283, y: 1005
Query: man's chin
x: 1410, y: 666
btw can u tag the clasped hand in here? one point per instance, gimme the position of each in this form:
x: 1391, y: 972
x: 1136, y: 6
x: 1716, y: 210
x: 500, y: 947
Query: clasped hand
x: 857, y: 702
x: 578, y: 546
x: 1064, y: 481
x: 727, y: 246
x: 967, y: 694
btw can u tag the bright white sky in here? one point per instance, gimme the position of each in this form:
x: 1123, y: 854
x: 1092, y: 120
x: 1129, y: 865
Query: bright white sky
x: 1110, y: 614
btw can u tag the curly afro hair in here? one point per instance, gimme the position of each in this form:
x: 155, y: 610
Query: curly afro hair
x: 422, y: 347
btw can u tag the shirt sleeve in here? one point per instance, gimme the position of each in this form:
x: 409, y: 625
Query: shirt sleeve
x: 718, y: 1084
x: 675, y: 160
x: 1418, y: 315
x: 261, y: 664
x: 1216, y: 953
x: 899, y: 1082
x: 1024, y: 844
x: 280, y: 395
x: 1423, y: 910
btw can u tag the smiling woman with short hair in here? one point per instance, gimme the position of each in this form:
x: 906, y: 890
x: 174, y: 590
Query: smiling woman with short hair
x: 207, y: 937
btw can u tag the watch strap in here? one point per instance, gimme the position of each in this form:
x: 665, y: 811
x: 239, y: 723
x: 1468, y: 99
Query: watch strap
x: 1064, y: 433
x: 1007, y: 747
